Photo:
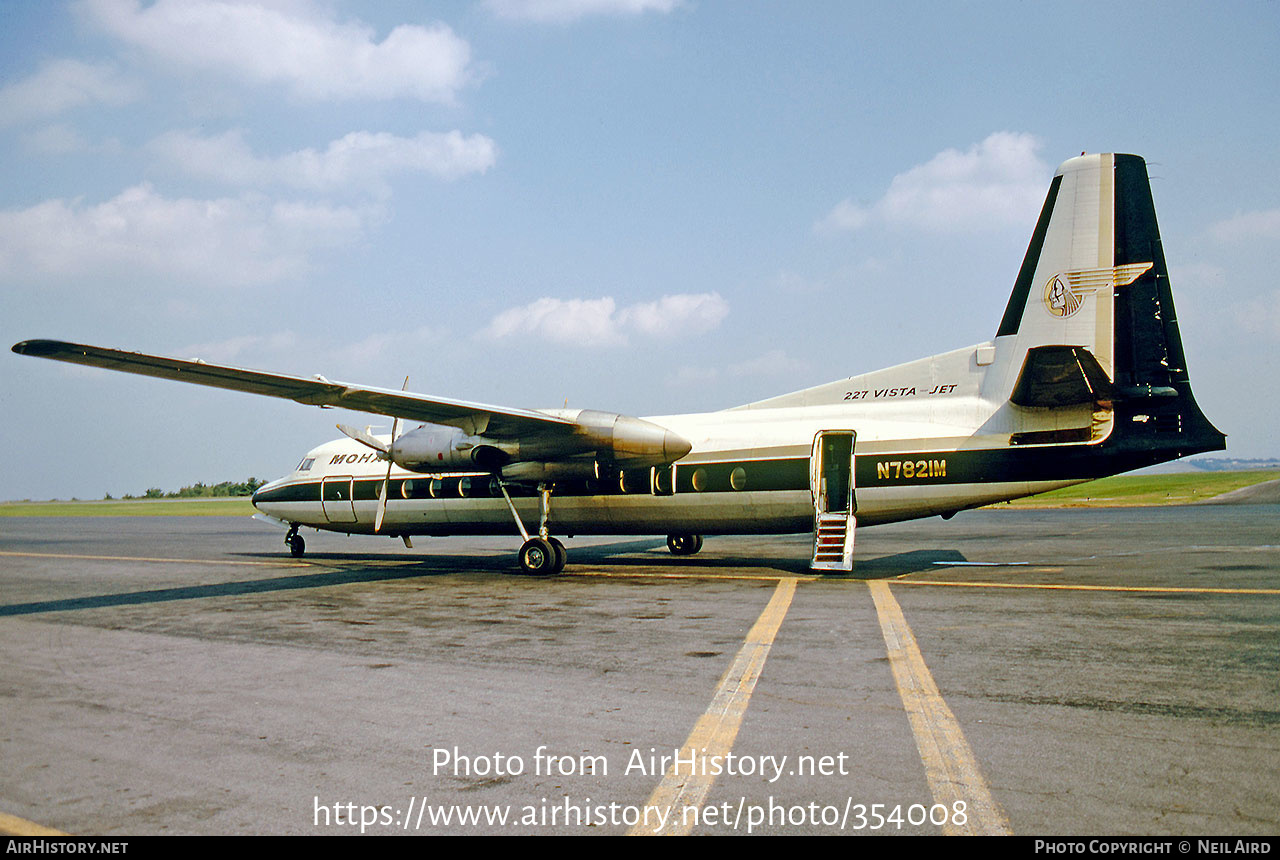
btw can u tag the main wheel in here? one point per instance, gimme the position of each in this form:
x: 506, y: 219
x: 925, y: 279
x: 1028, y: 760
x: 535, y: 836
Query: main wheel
x: 684, y: 544
x: 538, y: 557
x: 297, y: 546
x: 562, y: 554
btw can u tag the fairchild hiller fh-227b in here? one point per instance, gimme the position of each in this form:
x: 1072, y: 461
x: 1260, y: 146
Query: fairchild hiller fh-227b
x: 1085, y: 378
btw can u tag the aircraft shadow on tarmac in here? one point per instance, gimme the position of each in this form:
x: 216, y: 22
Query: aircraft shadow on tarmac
x: 356, y: 568
x: 618, y: 556
x: 650, y: 555
x: 221, y: 589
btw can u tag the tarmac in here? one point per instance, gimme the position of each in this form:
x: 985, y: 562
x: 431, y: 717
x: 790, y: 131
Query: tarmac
x: 1036, y: 672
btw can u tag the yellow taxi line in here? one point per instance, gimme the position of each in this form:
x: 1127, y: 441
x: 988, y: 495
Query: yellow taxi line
x: 281, y: 563
x: 950, y: 766
x: 1141, y: 589
x: 12, y: 825
x: 686, y: 784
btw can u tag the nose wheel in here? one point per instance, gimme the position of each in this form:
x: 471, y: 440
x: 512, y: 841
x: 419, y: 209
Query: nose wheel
x: 297, y: 546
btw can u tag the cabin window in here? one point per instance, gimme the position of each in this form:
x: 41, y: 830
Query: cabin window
x: 738, y: 478
x: 699, y: 479
x: 662, y: 480
x: 634, y: 481
x: 406, y: 490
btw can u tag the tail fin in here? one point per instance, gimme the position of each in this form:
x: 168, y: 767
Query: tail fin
x: 1092, y: 314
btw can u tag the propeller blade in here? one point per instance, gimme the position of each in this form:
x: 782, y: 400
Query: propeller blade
x: 382, y: 493
x: 382, y: 501
x: 366, y: 438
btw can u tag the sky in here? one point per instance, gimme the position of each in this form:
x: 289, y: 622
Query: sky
x: 640, y: 206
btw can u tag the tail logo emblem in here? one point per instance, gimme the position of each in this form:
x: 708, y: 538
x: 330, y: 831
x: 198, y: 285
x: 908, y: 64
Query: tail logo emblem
x: 1065, y: 292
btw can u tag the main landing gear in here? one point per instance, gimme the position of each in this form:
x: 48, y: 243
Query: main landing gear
x: 684, y: 544
x: 297, y: 546
x: 542, y: 555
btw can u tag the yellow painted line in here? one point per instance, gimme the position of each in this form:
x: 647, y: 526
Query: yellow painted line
x: 281, y: 563
x: 749, y: 577
x: 686, y: 783
x: 12, y: 825
x: 949, y: 764
x: 1142, y: 589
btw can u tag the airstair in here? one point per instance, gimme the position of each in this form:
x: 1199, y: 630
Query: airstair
x: 831, y: 480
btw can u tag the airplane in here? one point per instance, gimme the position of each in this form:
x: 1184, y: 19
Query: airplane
x: 1084, y: 378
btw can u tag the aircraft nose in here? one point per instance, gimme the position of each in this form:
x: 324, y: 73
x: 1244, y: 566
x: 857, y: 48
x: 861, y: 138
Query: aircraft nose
x: 262, y: 494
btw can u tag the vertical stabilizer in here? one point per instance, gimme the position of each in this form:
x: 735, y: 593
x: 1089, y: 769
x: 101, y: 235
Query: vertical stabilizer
x: 1063, y: 295
x: 1091, y: 315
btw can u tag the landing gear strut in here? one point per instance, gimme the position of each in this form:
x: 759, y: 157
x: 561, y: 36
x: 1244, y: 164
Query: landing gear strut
x: 542, y: 555
x: 684, y: 544
x: 293, y: 540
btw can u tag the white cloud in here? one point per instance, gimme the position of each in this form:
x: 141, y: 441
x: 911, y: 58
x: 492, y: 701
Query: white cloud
x: 585, y: 322
x: 360, y: 160
x: 1248, y: 225
x: 298, y: 44
x: 997, y: 183
x: 561, y: 11
x: 673, y: 316
x: 232, y: 241
x: 61, y: 85
x: 845, y: 217
x: 57, y: 139
x: 599, y: 322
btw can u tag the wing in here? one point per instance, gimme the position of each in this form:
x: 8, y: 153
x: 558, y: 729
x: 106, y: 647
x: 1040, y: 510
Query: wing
x: 497, y: 422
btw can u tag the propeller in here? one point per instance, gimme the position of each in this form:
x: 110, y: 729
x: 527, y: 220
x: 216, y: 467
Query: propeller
x: 382, y: 494
x: 366, y: 438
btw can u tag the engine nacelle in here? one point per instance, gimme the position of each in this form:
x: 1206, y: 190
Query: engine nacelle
x: 536, y: 471
x: 445, y: 449
x: 621, y: 439
x: 617, y: 441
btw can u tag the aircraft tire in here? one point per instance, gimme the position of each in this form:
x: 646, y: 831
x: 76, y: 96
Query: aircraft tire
x: 562, y: 554
x: 684, y: 544
x: 297, y: 546
x: 538, y: 557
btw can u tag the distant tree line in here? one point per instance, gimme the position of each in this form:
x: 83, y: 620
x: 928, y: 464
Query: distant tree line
x: 1233, y: 464
x: 201, y: 491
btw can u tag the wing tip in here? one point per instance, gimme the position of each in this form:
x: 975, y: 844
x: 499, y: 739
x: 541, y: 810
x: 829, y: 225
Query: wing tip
x: 39, y: 348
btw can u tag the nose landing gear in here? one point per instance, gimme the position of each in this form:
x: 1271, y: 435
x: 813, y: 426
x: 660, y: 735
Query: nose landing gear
x: 297, y: 546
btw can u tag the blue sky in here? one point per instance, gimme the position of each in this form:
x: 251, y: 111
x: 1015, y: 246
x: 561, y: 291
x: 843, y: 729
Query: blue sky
x: 644, y: 206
